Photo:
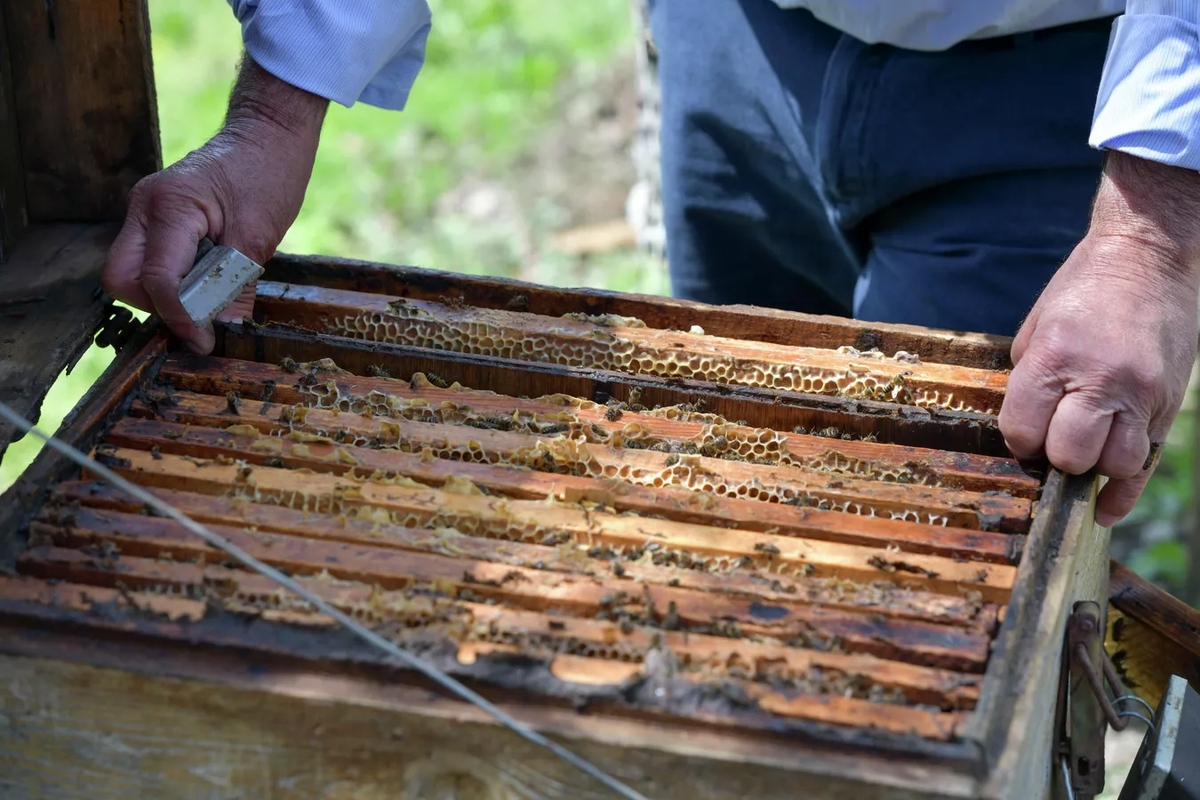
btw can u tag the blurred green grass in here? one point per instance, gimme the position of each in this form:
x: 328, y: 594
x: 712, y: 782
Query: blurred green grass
x: 493, y: 81
x: 498, y: 75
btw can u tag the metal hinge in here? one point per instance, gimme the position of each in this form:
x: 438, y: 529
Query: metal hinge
x: 1089, y: 711
x: 117, y: 327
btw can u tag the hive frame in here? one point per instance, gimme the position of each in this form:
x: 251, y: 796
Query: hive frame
x: 1006, y: 752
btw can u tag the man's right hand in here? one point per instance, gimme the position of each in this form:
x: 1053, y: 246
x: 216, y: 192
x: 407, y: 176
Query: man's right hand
x: 243, y: 188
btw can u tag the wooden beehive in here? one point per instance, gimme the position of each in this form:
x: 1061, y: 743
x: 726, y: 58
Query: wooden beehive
x: 722, y: 551
x: 770, y: 555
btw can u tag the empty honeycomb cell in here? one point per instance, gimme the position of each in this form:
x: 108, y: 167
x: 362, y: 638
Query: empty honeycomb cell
x: 569, y: 454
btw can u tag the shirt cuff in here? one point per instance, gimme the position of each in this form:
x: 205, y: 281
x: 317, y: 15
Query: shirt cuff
x: 347, y: 51
x: 1149, y: 100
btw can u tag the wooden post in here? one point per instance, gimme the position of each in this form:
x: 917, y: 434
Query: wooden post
x: 13, y: 218
x: 85, y: 106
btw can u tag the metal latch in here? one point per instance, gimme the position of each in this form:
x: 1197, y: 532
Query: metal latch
x: 117, y: 327
x: 1089, y: 711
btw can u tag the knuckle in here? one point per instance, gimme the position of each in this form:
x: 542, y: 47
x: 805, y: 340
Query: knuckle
x: 1045, y: 363
x: 113, y: 283
x: 142, y: 191
x: 1140, y: 376
x: 1121, y: 467
x: 1055, y: 344
x: 1069, y: 457
x: 260, y: 247
x: 1022, y: 438
x: 172, y: 208
x: 1070, y: 463
x: 157, y: 278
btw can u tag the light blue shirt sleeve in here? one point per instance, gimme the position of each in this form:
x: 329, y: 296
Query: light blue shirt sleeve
x: 348, y: 51
x: 1149, y: 99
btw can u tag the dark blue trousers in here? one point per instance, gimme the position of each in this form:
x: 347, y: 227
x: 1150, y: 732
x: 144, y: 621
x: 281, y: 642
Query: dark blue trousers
x: 806, y: 170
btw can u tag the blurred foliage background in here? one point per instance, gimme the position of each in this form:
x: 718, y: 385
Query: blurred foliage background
x: 520, y: 125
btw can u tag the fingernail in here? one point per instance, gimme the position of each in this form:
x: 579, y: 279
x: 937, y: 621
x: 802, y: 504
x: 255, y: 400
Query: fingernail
x: 1106, y: 520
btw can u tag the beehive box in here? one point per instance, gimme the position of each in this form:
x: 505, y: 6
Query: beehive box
x: 720, y: 551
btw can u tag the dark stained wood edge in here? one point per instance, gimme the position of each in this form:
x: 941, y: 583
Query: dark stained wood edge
x: 372, y: 728
x: 907, y: 425
x: 1015, y: 639
x: 1064, y: 499
x: 50, y: 308
x: 141, y: 642
x: 108, y: 398
x: 735, y: 321
x: 14, y: 216
x: 85, y: 99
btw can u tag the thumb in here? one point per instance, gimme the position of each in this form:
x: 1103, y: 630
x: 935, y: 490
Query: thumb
x: 170, y: 252
x: 122, y: 274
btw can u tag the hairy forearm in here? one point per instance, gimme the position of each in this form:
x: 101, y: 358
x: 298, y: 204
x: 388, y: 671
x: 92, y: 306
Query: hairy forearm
x: 260, y: 101
x: 1154, y: 206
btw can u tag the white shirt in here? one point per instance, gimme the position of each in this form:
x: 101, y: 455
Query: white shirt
x: 940, y: 24
x: 1148, y: 104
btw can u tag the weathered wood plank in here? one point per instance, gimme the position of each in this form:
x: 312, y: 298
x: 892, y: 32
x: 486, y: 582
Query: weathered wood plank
x: 826, y: 709
x: 86, y: 597
x: 85, y: 102
x: 50, y: 308
x: 1066, y: 561
x: 844, y: 674
x: 522, y: 587
x: 569, y: 668
x: 81, y: 428
x: 278, y: 731
x: 678, y: 542
x: 884, y: 599
x: 577, y: 450
x: 334, y: 388
x: 731, y: 321
x: 530, y: 337
x: 681, y: 505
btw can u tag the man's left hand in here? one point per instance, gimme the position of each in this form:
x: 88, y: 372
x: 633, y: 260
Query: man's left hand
x: 1102, y: 361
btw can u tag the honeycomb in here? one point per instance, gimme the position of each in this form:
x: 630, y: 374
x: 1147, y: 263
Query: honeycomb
x: 567, y: 452
x: 577, y: 345
x: 717, y: 439
x: 761, y: 574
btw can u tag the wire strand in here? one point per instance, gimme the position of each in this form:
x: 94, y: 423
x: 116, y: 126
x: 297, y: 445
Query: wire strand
x: 348, y: 622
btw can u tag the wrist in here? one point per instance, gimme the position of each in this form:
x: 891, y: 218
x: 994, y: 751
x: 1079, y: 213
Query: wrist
x: 1153, y: 207
x: 264, y: 107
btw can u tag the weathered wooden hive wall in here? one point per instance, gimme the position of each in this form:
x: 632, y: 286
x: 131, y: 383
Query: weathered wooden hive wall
x: 792, y: 529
